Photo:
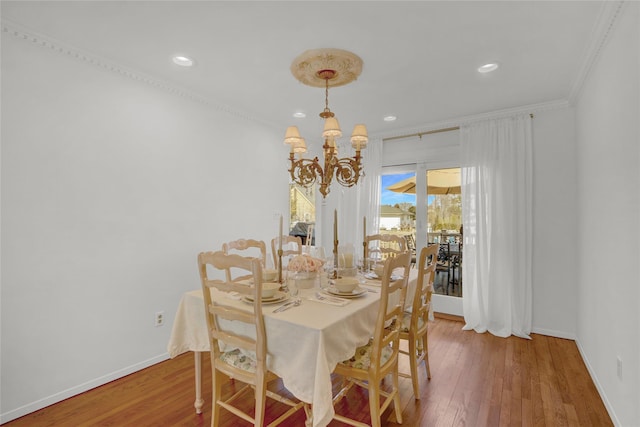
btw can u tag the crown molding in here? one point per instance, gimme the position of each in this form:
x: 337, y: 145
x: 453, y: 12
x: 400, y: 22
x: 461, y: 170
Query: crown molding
x: 465, y: 120
x: 45, y: 42
x: 610, y: 13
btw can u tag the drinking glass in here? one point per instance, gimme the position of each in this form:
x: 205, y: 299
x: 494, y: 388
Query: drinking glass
x: 291, y: 283
x: 329, y: 266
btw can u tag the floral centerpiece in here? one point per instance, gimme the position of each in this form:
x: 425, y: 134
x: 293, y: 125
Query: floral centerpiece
x: 306, y: 270
x: 305, y: 263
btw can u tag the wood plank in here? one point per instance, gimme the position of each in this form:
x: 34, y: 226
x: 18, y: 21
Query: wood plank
x: 477, y: 380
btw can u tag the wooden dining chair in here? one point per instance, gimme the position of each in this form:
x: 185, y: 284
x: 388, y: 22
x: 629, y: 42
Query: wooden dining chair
x: 245, y: 247
x: 375, y: 360
x: 244, y: 358
x: 384, y: 245
x: 415, y: 324
x: 291, y: 245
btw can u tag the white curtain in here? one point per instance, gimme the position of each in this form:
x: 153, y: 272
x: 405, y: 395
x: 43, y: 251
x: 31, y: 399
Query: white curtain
x: 354, y: 203
x: 370, y: 188
x: 496, y: 215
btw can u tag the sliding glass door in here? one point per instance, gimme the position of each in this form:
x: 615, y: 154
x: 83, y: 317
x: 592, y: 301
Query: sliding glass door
x: 428, y: 211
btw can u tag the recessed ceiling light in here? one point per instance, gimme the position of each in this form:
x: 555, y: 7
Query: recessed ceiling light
x: 390, y: 118
x: 299, y: 115
x: 487, y: 68
x: 183, y: 61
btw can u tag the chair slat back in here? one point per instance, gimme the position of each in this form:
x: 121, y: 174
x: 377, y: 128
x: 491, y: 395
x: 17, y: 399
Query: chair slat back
x: 291, y: 245
x: 216, y: 310
x: 391, y: 307
x: 246, y: 248
x: 386, y: 245
x: 426, y: 275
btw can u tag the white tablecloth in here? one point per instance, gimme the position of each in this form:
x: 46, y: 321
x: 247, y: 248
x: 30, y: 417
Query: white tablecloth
x: 304, y: 343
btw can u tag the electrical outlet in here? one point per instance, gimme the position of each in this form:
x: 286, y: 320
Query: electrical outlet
x: 619, y: 368
x: 159, y: 318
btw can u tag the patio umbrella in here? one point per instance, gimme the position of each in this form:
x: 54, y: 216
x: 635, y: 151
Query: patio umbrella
x: 440, y: 181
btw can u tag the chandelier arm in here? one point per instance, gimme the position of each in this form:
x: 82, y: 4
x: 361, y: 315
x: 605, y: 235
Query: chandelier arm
x: 305, y: 172
x: 348, y: 171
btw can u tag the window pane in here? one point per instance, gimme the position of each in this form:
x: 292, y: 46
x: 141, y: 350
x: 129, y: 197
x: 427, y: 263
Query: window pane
x: 398, y: 206
x: 444, y: 227
x: 302, y: 211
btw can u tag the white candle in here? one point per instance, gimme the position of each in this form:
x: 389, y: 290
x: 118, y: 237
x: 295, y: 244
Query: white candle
x: 364, y: 227
x: 280, y: 235
x: 335, y: 226
x: 348, y: 260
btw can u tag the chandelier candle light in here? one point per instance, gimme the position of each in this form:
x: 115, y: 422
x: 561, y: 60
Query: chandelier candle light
x: 324, y: 68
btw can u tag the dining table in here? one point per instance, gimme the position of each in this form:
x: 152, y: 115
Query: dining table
x: 304, y: 343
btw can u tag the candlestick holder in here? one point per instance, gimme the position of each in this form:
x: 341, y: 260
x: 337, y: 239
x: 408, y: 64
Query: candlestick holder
x: 280, y: 266
x: 364, y: 250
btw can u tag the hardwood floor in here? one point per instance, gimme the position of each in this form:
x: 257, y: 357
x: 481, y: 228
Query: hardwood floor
x: 477, y: 380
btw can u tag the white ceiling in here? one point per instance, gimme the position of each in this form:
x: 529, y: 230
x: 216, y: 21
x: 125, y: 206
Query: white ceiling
x: 420, y: 58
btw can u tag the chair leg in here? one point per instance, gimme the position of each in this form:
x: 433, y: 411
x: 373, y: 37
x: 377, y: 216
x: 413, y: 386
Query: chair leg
x: 217, y: 378
x: 413, y: 365
x: 261, y: 397
x: 374, y: 403
x: 396, y: 397
x: 425, y: 345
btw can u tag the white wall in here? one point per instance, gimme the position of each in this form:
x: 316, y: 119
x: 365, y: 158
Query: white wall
x: 608, y: 137
x: 554, y: 260
x: 110, y: 188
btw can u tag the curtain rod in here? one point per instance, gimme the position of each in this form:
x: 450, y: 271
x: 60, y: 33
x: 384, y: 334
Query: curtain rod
x: 419, y: 134
x: 429, y: 132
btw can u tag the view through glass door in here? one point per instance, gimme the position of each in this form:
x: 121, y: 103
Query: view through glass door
x: 428, y: 212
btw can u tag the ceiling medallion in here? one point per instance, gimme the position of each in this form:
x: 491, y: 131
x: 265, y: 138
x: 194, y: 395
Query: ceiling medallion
x: 309, y: 67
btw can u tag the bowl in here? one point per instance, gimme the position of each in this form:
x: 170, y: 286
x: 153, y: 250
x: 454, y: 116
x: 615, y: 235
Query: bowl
x: 269, y: 275
x: 269, y: 289
x: 378, y: 269
x: 346, y: 284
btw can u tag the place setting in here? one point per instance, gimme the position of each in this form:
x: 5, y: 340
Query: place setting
x: 271, y: 294
x: 345, y: 287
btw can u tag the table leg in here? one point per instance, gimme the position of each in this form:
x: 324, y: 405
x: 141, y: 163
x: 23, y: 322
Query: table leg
x: 309, y: 413
x: 199, y: 403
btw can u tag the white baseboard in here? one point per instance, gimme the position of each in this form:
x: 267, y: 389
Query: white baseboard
x: 601, y: 392
x: 554, y: 333
x: 81, y: 388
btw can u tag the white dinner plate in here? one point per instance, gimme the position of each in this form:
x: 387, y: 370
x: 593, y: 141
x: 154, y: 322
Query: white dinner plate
x: 276, y: 298
x: 374, y: 276
x: 358, y: 291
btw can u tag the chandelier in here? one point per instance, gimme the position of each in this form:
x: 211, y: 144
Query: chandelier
x: 324, y: 68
